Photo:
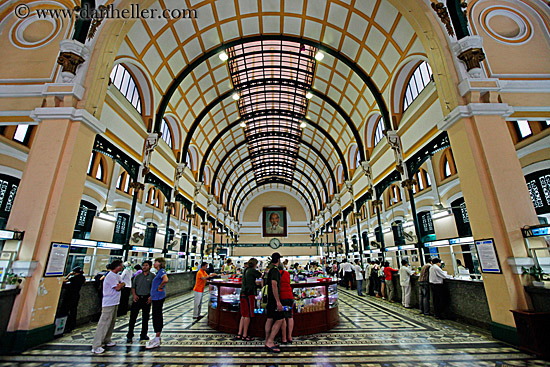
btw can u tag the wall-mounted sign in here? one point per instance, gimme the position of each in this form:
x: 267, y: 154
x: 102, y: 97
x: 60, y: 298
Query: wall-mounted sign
x: 538, y: 184
x: 59, y: 252
x: 487, y: 254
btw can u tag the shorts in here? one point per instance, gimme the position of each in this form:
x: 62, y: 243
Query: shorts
x: 272, y: 312
x: 290, y: 303
x: 247, y: 305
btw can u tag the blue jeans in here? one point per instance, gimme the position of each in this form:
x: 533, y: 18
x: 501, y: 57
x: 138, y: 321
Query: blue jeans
x: 360, y: 287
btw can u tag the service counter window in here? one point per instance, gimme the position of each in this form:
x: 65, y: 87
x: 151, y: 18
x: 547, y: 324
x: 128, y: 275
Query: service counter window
x: 460, y: 261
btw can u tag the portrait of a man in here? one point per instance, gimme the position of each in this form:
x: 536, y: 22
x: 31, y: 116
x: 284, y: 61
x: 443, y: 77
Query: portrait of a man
x: 274, y: 222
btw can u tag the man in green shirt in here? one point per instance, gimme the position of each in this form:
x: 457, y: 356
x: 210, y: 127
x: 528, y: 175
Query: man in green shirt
x: 141, y: 291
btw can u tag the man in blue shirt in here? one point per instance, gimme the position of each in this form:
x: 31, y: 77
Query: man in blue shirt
x: 158, y: 295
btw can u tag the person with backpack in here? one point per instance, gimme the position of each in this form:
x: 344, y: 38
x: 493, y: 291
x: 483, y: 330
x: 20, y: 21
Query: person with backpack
x: 248, y: 298
x: 274, y: 306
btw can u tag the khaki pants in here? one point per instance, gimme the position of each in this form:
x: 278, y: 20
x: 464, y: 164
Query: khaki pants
x: 105, y: 326
x: 197, y: 304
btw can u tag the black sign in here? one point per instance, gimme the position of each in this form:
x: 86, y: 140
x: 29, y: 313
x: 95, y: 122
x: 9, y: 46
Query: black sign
x: 121, y: 226
x: 150, y: 235
x: 398, y: 235
x: 8, y: 189
x: 84, y: 220
x: 538, y: 184
x: 461, y: 218
x: 426, y: 225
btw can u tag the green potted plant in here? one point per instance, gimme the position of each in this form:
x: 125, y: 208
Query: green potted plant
x: 536, y: 274
x: 12, y: 281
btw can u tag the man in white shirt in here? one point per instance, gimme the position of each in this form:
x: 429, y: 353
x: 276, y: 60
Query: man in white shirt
x: 111, y: 297
x: 126, y: 276
x: 368, y: 269
x: 437, y: 275
x: 347, y: 271
x: 405, y: 279
x: 359, y: 278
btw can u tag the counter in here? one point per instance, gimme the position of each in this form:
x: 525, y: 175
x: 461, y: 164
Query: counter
x: 316, y: 308
x: 466, y: 300
x: 7, y: 299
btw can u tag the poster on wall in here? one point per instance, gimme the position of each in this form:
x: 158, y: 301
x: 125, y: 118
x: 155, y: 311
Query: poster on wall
x: 274, y: 222
x: 487, y: 254
x: 59, y: 252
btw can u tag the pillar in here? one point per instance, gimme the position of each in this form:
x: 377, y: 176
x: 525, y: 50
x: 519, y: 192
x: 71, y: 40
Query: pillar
x: 45, y: 208
x: 497, y: 199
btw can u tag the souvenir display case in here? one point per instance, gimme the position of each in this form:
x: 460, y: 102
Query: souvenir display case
x: 315, y: 310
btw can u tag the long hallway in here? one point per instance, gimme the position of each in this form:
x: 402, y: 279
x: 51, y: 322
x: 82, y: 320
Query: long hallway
x: 371, y: 332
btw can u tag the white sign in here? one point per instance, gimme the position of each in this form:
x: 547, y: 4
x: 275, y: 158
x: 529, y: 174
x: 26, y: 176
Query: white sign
x: 487, y: 256
x: 56, y: 262
x: 87, y: 259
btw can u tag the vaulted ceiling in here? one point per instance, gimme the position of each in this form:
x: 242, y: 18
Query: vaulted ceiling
x: 273, y: 136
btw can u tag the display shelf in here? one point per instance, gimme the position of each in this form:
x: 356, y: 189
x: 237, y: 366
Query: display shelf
x: 316, y: 308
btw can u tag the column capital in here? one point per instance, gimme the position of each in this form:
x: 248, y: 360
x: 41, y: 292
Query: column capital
x: 474, y: 109
x: 68, y: 113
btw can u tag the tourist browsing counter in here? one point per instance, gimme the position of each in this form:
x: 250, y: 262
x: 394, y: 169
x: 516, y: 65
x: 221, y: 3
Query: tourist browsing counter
x: 315, y: 310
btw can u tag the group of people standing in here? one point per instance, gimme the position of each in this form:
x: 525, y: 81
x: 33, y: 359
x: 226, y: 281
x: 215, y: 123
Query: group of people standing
x: 280, y: 301
x: 147, y: 290
x: 378, y: 277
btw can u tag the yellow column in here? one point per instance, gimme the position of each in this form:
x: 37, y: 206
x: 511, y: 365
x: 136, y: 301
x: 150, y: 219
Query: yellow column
x: 45, y: 208
x: 497, y: 200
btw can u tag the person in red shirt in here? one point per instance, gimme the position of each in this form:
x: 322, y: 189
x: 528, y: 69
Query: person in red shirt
x: 200, y: 282
x: 287, y: 299
x: 388, y: 272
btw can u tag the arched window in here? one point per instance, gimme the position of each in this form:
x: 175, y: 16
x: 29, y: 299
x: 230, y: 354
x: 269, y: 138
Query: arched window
x: 394, y: 195
x: 97, y: 167
x: 125, y: 83
x: 420, y: 78
x: 19, y: 133
x: 447, y: 166
x: 165, y: 133
x: 123, y: 183
x: 447, y: 172
x: 523, y: 129
x: 99, y: 172
x: 378, y: 132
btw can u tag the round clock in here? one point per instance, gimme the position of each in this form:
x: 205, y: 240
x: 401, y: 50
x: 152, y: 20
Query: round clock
x: 274, y: 243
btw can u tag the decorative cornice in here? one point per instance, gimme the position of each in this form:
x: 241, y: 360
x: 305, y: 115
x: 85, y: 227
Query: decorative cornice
x: 70, y: 113
x: 474, y: 109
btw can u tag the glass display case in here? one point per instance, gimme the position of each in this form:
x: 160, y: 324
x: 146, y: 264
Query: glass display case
x: 315, y: 307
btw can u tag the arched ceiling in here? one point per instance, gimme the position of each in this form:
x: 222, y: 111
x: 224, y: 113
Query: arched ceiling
x: 271, y: 45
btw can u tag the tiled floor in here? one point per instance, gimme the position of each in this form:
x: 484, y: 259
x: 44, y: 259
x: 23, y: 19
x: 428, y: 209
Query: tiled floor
x: 371, y: 332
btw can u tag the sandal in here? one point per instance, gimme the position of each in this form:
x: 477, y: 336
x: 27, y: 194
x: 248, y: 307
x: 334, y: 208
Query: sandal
x: 274, y: 349
x: 247, y: 338
x: 238, y: 337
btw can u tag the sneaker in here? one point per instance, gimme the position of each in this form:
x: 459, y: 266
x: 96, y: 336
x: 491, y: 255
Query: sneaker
x: 155, y: 343
x: 98, y: 350
x: 111, y: 344
x: 141, y: 338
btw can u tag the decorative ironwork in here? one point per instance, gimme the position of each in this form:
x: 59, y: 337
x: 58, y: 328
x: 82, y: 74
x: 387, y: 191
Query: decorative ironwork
x: 105, y: 147
x: 438, y: 143
x: 155, y: 181
x: 386, y: 182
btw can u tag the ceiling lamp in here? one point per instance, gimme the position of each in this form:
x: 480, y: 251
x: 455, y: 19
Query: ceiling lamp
x: 309, y: 95
x: 319, y: 56
x: 303, y: 125
x: 223, y: 56
x: 235, y: 96
x: 242, y: 124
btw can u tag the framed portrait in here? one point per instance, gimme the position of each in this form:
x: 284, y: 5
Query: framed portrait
x: 274, y: 222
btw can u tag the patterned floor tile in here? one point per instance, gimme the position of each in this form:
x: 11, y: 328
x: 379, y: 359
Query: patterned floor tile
x: 372, y: 332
